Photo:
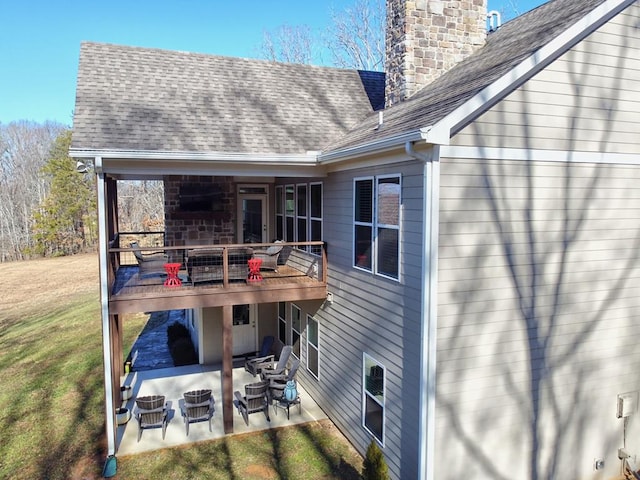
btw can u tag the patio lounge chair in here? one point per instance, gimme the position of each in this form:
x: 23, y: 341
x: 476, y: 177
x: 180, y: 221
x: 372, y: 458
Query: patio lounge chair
x: 279, y: 368
x: 269, y: 256
x: 197, y: 406
x: 254, y: 400
x: 277, y: 382
x: 149, y: 263
x: 252, y: 364
x: 151, y: 411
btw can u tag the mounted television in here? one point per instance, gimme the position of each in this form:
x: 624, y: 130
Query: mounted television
x: 198, y: 197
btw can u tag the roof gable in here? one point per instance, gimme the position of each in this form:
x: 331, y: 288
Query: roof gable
x: 506, y: 49
x: 140, y: 99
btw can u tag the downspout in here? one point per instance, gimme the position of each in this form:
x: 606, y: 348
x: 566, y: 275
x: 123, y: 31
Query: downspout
x: 429, y: 319
x: 104, y: 301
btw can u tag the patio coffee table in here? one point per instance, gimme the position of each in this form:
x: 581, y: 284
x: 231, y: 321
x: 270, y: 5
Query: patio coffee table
x: 283, y: 403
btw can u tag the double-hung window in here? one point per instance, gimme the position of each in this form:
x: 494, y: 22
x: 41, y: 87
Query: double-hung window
x: 280, y: 212
x: 282, y: 322
x: 373, y: 396
x: 313, y: 346
x: 301, y: 214
x: 296, y: 328
x: 290, y: 212
x: 376, y: 223
x: 315, y: 216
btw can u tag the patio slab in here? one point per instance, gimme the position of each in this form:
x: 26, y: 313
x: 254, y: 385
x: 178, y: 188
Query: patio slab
x: 173, y: 382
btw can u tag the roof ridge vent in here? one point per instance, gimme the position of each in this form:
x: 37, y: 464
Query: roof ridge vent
x: 494, y: 21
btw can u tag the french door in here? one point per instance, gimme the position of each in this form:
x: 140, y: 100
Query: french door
x: 252, y: 212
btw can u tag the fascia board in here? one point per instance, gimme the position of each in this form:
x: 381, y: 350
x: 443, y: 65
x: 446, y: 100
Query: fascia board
x: 124, y: 168
x: 306, y: 159
x: 442, y: 131
x: 143, y: 164
x: 377, y: 146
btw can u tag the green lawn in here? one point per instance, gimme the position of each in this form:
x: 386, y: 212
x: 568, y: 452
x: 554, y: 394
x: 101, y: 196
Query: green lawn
x: 51, y: 399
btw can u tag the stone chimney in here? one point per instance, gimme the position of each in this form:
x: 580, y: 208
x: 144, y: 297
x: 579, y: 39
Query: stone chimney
x: 425, y: 38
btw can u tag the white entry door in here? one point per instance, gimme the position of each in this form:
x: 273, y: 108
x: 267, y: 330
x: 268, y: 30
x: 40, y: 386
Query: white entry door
x: 252, y: 210
x: 244, y: 329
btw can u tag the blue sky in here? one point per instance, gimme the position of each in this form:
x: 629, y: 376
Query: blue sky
x: 40, y: 39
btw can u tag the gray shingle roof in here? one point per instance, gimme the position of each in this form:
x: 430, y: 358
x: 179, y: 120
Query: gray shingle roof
x: 146, y: 99
x: 132, y: 98
x: 507, y: 47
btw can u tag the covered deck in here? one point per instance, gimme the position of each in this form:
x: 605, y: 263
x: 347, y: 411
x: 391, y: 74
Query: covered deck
x: 174, y: 382
x: 220, y: 277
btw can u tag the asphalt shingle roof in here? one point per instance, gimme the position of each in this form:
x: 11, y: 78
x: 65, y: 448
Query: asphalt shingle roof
x: 147, y: 99
x: 132, y: 98
x: 504, y: 49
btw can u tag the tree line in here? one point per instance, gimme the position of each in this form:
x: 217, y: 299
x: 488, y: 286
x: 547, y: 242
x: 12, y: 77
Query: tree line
x: 47, y: 207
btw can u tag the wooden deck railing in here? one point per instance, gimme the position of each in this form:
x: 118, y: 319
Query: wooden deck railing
x: 202, y: 265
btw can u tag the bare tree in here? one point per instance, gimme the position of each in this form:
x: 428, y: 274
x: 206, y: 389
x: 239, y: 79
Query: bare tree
x: 141, y: 206
x: 356, y: 36
x: 511, y: 9
x: 290, y: 44
x: 24, y: 149
x: 355, y: 39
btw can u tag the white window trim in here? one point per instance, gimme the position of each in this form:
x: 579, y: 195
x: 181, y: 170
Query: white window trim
x: 387, y: 226
x: 315, y: 347
x: 283, y: 321
x: 292, y: 330
x: 279, y: 194
x: 363, y: 224
x: 311, y: 218
x: 288, y: 215
x: 374, y: 225
x: 363, y: 406
x: 304, y: 217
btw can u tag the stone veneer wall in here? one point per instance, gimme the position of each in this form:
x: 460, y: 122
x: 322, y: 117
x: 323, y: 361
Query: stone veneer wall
x: 425, y: 38
x: 199, y: 228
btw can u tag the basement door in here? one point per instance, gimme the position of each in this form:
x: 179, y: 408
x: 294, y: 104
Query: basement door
x: 244, y: 329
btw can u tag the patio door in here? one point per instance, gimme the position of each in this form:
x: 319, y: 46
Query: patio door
x: 244, y: 329
x: 252, y: 210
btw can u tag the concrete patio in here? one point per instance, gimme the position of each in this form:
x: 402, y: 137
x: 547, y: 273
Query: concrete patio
x: 173, y: 382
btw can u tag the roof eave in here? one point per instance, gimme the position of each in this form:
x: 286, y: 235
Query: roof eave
x: 302, y: 159
x: 453, y: 122
x: 135, y: 164
x: 376, y: 146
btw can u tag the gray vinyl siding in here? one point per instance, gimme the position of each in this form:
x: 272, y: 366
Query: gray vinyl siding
x: 375, y: 315
x: 586, y: 100
x: 541, y: 261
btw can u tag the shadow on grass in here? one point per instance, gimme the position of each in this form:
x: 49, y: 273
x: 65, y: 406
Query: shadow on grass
x: 53, y: 391
x: 309, y: 451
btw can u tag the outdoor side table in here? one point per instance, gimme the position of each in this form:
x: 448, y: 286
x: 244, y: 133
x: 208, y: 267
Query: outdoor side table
x: 254, y: 270
x: 172, y: 270
x: 283, y: 403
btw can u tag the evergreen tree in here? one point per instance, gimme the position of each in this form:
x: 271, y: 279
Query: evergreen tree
x: 374, y: 466
x: 65, y: 222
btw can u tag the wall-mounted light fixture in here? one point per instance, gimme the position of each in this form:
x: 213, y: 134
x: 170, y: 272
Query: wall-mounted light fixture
x: 81, y: 167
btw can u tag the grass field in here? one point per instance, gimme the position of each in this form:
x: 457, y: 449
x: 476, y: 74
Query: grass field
x: 52, y: 396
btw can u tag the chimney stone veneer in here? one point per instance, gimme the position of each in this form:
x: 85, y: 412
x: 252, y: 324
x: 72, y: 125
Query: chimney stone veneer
x: 200, y: 228
x: 425, y: 38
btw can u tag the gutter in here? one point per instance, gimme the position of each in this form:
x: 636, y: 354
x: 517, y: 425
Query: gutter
x: 429, y: 316
x: 377, y: 146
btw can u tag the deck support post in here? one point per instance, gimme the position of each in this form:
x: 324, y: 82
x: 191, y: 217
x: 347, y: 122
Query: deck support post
x: 227, y: 368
